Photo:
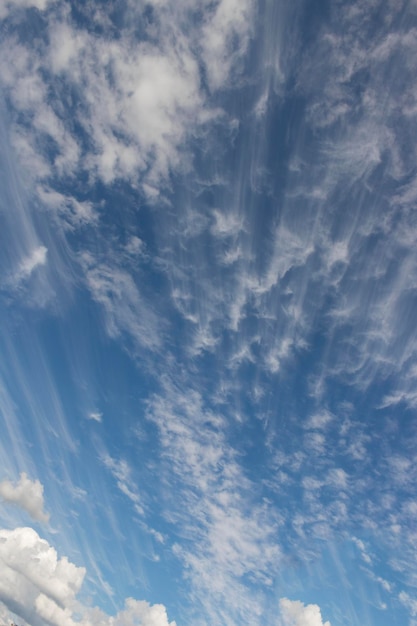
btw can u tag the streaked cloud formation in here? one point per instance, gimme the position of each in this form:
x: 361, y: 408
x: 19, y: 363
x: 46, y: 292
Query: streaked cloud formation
x: 208, y: 348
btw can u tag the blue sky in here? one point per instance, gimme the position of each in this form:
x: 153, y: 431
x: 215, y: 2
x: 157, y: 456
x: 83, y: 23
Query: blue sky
x: 208, y: 355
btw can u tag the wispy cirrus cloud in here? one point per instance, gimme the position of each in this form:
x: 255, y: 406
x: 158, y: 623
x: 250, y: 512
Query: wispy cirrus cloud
x: 122, y: 473
x: 125, y: 310
x: 287, y: 278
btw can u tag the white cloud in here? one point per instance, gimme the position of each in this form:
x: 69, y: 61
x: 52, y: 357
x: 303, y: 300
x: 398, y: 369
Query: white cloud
x: 225, y: 38
x: 135, y: 247
x: 96, y: 416
x: 37, y: 258
x: 33, y: 578
x: 136, y: 129
x: 136, y: 612
x: 125, y: 310
x: 7, y: 6
x: 408, y: 397
x: 361, y: 547
x: 140, y: 101
x: 26, y: 493
x: 226, y: 224
x: 319, y: 420
x: 72, y: 212
x: 295, y: 613
x: 409, y: 602
x: 121, y: 471
x: 213, y: 503
x: 38, y: 586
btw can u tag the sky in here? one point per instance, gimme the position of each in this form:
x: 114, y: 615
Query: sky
x: 208, y: 305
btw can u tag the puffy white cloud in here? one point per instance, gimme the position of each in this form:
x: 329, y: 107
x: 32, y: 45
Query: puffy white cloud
x: 135, y: 613
x: 34, y: 582
x: 26, y: 493
x: 40, y: 587
x: 295, y: 613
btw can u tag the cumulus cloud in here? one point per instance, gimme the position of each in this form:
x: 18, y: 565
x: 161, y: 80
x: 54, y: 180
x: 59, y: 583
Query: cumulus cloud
x: 40, y: 587
x: 33, y: 580
x: 27, y: 494
x: 136, y: 612
x: 295, y: 613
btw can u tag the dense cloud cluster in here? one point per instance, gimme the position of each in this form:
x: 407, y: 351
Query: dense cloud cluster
x: 144, y: 99
x: 34, y: 583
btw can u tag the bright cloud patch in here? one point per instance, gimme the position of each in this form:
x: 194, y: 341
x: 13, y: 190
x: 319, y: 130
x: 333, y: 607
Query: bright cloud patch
x: 33, y: 580
x: 96, y: 416
x: 136, y: 612
x: 38, y: 586
x: 295, y: 613
x: 27, y: 266
x: 140, y: 102
x: 26, y: 493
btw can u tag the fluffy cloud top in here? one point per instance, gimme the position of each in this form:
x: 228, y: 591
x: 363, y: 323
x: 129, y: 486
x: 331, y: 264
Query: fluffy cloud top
x: 135, y: 613
x: 26, y: 493
x: 40, y: 587
x: 33, y: 580
x: 295, y: 613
